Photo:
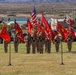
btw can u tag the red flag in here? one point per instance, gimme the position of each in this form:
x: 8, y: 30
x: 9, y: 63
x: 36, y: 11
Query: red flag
x: 30, y: 27
x: 69, y: 20
x: 72, y: 31
x: 18, y: 31
x: 48, y: 30
x: 4, y: 34
x: 53, y: 36
x: 21, y: 37
x: 47, y: 34
x: 39, y: 27
x: 17, y: 28
x: 47, y: 26
x: 45, y: 22
x: 62, y: 31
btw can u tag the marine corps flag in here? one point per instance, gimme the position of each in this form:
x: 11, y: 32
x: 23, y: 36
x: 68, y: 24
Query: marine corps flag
x: 21, y: 37
x: 69, y: 20
x: 53, y: 36
x: 62, y: 31
x: 17, y: 28
x: 30, y: 27
x: 48, y: 30
x: 5, y: 35
x: 18, y: 31
x: 72, y: 32
x: 46, y: 24
x: 39, y: 27
x: 47, y: 27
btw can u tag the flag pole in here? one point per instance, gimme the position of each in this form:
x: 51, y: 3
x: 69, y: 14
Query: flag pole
x: 9, y: 54
x: 10, y: 48
x: 61, y: 53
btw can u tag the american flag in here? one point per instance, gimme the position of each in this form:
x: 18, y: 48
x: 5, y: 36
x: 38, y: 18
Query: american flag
x: 33, y: 17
